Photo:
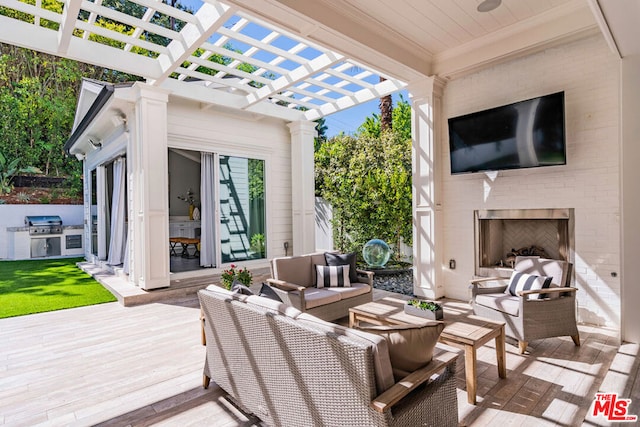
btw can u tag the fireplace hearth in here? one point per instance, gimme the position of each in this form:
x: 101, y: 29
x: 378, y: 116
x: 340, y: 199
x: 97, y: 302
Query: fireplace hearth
x: 503, y: 234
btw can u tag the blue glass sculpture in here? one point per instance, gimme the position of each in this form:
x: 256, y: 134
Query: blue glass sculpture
x: 376, y: 253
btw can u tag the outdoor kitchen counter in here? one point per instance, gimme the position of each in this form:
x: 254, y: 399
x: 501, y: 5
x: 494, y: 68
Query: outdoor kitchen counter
x: 64, y: 227
x: 19, y: 241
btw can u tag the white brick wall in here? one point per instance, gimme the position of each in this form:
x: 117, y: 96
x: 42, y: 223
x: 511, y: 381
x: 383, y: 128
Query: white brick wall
x: 589, y: 75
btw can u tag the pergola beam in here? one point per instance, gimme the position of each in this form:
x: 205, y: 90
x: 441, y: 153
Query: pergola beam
x: 67, y: 25
x: 304, y: 71
x: 209, y: 18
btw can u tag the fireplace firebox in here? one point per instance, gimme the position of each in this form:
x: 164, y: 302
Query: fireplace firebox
x: 502, y: 234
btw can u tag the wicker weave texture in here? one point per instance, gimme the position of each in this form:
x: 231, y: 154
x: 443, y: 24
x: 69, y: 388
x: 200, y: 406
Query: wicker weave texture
x: 288, y: 374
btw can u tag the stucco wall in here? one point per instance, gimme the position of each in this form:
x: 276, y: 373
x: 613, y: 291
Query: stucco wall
x: 193, y: 128
x: 589, y: 75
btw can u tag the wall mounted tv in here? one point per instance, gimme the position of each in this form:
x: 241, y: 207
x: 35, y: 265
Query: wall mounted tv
x: 524, y: 134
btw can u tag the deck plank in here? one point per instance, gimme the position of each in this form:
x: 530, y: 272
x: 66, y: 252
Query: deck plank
x: 111, y: 365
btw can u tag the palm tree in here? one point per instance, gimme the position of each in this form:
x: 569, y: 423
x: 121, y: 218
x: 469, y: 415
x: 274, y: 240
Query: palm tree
x: 386, y: 111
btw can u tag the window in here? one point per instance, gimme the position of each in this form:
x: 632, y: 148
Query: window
x: 242, y: 209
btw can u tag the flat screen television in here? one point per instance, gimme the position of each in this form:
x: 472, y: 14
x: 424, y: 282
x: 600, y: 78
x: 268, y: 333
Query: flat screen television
x: 524, y: 134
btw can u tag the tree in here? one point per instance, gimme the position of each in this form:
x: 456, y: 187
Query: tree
x: 401, y: 118
x: 386, y: 111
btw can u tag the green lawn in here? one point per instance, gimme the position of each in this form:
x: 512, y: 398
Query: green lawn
x: 36, y: 286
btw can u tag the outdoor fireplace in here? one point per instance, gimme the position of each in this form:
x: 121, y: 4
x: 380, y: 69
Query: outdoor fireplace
x: 503, y: 234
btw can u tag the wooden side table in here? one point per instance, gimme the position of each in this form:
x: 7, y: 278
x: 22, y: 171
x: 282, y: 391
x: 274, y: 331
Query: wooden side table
x: 467, y: 333
x: 184, y: 242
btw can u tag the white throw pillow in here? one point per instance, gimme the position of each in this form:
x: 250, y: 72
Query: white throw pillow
x: 332, y: 276
x: 524, y: 282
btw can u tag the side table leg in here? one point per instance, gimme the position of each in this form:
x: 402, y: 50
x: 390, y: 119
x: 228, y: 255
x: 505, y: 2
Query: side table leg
x: 501, y: 355
x: 470, y: 372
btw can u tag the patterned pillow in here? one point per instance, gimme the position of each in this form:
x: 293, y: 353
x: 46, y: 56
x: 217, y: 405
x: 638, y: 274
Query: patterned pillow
x: 332, y: 276
x: 343, y: 259
x: 524, y: 282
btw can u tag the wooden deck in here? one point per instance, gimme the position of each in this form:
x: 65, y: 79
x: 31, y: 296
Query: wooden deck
x: 139, y: 366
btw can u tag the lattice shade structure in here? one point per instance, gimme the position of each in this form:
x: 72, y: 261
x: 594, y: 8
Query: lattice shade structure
x: 263, y: 68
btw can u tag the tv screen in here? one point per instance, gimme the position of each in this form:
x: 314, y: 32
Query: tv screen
x: 524, y: 134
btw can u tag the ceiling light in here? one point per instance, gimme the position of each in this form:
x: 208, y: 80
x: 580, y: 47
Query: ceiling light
x: 489, y: 5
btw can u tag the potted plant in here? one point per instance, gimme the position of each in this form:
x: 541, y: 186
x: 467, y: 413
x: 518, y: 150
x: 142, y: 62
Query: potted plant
x: 427, y: 309
x: 242, y: 275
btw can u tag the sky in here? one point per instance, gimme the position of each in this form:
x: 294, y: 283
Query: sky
x: 349, y: 120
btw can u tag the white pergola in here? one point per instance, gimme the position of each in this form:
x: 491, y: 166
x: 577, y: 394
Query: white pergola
x: 288, y: 77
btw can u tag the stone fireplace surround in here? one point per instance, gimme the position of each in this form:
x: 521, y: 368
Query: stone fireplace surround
x: 499, y: 231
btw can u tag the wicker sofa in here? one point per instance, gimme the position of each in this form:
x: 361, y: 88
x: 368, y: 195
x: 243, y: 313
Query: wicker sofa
x: 293, y: 369
x: 293, y: 278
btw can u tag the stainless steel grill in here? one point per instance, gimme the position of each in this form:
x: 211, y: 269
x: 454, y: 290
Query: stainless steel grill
x: 43, y: 225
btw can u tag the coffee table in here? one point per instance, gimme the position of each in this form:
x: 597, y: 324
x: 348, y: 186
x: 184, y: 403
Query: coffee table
x: 464, y: 332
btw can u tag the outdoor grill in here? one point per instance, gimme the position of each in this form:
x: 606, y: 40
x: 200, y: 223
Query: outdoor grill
x: 42, y: 225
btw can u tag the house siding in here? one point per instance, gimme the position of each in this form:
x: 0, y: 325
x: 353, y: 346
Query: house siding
x: 590, y: 181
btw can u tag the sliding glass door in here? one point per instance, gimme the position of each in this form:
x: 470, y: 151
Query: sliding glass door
x: 242, y: 209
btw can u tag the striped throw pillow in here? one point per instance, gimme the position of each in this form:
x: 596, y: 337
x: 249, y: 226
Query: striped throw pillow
x: 332, y: 276
x: 524, y: 282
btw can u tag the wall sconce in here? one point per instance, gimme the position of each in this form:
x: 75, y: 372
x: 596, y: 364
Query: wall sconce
x: 96, y: 145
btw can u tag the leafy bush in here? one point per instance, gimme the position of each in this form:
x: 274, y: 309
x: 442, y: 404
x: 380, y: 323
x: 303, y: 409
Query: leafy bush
x: 9, y: 169
x: 367, y: 181
x: 242, y: 275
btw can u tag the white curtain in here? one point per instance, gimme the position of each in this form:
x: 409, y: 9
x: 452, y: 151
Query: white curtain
x: 118, y: 229
x: 207, y: 214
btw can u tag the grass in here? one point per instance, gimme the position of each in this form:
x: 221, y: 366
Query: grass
x: 36, y: 286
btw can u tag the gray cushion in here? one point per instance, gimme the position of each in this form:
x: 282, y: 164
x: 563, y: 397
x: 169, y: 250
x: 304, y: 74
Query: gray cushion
x: 505, y: 303
x: 314, y: 297
x: 267, y: 292
x: 410, y: 346
x: 239, y: 288
x: 352, y: 291
x: 295, y: 269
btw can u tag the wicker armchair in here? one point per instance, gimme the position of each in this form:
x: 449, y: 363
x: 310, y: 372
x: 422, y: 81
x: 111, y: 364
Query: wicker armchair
x: 530, y: 314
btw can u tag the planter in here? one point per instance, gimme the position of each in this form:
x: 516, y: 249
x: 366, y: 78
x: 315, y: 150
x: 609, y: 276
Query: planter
x: 427, y: 314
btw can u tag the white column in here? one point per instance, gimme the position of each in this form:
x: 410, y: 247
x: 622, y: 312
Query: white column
x: 302, y: 186
x: 426, y: 98
x: 147, y: 169
x: 630, y: 176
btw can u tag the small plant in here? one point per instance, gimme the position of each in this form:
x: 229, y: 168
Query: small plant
x: 188, y: 198
x: 425, y: 305
x: 8, y: 169
x: 257, y: 244
x: 242, y: 275
x: 23, y: 197
x: 44, y: 200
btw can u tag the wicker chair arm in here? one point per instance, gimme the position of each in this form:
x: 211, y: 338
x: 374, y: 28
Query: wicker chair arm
x: 485, y: 279
x: 476, y: 289
x: 547, y: 291
x: 392, y: 396
x: 368, y: 274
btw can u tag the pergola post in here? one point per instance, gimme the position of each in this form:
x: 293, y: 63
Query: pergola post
x: 147, y: 159
x: 303, y: 186
x: 426, y: 101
